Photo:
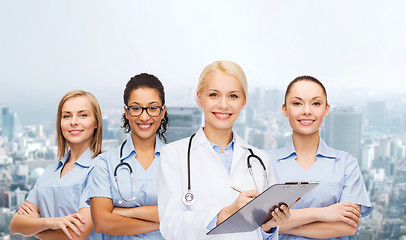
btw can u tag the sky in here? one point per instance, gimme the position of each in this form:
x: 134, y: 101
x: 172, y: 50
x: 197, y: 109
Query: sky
x: 48, y: 48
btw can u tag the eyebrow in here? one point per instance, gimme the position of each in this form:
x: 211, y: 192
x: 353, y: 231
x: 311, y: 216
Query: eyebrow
x: 84, y: 110
x: 137, y: 103
x: 302, y: 99
x: 215, y: 90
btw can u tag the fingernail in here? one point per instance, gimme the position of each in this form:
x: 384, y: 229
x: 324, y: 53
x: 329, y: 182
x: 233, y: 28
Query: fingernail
x: 81, y: 229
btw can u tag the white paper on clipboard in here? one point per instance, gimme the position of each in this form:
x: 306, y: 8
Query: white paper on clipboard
x: 256, y: 212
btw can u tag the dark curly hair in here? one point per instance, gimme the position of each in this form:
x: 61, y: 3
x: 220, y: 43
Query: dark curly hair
x: 145, y: 80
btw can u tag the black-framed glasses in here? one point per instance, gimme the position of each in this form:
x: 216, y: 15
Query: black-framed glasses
x: 153, y: 111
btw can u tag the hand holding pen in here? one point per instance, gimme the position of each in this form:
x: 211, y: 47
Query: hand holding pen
x: 242, y: 199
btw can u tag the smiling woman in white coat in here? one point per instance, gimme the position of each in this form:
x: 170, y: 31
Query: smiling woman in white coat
x: 200, y: 178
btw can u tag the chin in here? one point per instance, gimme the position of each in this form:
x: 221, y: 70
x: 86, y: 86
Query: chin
x: 144, y: 135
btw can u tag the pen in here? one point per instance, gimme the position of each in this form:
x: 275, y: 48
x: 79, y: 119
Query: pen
x: 237, y: 189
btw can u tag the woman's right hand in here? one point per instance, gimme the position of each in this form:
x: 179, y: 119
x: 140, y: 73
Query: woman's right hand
x: 74, y: 221
x: 242, y: 200
x: 346, y: 212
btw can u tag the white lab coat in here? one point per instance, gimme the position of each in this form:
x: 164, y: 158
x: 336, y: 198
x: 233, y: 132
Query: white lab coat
x: 210, y: 183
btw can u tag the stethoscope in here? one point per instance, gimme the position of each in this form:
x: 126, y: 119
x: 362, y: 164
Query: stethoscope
x: 189, y: 199
x: 124, y: 164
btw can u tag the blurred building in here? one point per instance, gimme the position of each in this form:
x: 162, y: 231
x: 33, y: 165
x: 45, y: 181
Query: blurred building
x: 342, y: 130
x: 273, y: 100
x: 376, y: 116
x: 183, y: 122
x: 8, y: 123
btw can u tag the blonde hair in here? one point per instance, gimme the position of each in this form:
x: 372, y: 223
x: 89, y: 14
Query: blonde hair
x: 96, y: 143
x: 227, y: 67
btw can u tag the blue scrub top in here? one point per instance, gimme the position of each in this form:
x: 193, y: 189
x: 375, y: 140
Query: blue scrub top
x: 337, y: 172
x: 103, y: 184
x: 57, y: 196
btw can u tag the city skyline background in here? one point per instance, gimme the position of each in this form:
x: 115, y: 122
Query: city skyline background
x: 49, y: 48
x: 356, y: 48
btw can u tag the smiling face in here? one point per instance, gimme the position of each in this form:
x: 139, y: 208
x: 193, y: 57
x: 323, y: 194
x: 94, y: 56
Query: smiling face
x: 222, y: 98
x: 144, y: 126
x: 306, y: 106
x: 78, y: 121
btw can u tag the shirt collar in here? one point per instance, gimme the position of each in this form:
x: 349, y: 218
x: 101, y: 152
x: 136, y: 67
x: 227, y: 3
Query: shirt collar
x: 200, y: 138
x: 322, y: 150
x: 84, y: 160
x: 217, y: 148
x: 128, y: 148
x: 326, y: 151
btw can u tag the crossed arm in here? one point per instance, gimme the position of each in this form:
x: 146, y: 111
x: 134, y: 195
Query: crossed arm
x: 122, y: 221
x: 27, y: 221
x: 340, y: 219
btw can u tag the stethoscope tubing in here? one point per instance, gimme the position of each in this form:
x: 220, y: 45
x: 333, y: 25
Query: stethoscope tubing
x: 122, y: 163
x: 189, y: 184
x: 188, y: 198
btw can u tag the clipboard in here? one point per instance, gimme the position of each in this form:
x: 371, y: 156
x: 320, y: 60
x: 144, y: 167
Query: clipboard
x: 257, y: 211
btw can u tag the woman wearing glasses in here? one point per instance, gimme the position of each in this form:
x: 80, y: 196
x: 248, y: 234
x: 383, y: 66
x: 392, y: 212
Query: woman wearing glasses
x: 56, y: 207
x: 123, y: 196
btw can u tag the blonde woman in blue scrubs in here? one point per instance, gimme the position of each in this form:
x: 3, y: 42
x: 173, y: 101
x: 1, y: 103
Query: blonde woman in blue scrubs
x: 334, y: 208
x: 123, y: 195
x: 56, y: 207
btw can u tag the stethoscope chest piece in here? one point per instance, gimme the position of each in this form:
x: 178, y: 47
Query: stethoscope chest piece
x: 188, y: 199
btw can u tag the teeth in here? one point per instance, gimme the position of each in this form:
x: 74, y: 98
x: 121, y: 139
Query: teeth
x: 222, y: 115
x: 144, y: 125
x: 307, y: 121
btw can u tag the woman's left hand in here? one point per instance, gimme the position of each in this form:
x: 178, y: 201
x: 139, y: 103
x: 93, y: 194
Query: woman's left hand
x: 25, y: 209
x: 279, y: 216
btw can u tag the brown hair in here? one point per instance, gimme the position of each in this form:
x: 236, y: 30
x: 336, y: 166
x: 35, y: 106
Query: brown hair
x: 305, y: 78
x: 96, y: 143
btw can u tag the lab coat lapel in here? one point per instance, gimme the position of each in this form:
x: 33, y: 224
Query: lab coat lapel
x: 205, y: 153
x: 201, y: 140
x: 240, y: 151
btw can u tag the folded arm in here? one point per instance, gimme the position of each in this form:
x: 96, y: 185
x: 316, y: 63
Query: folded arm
x: 107, y: 222
x: 149, y: 213
x: 28, y: 222
x: 84, y: 232
x: 341, y: 218
x: 323, y: 230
